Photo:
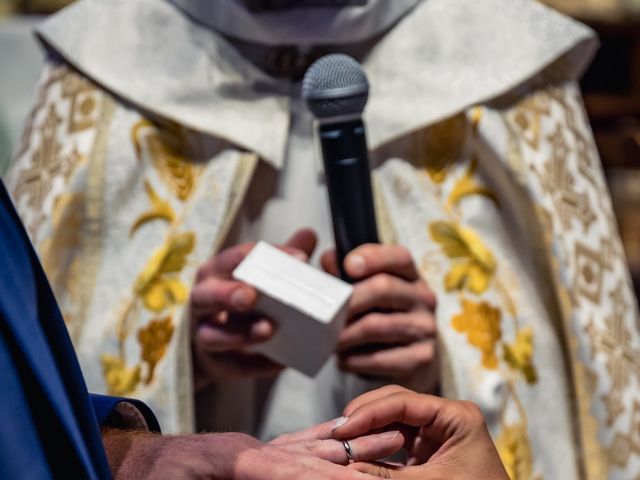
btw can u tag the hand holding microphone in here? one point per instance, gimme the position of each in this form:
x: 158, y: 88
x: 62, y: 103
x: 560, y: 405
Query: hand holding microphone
x: 391, y: 328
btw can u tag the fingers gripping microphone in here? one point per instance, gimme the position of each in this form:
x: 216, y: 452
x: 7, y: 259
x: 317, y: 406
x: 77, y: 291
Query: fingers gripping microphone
x: 336, y: 90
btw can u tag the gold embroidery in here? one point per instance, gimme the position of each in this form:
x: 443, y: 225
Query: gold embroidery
x: 475, y: 264
x: 481, y: 323
x: 56, y: 73
x: 610, y: 341
x: 121, y: 380
x: 473, y: 267
x: 519, y: 355
x: 84, y: 98
x: 628, y: 443
x: 467, y: 185
x: 527, y: 117
x: 171, y: 152
x: 160, y: 210
x: 67, y: 219
x: 155, y: 285
x: 35, y: 181
x: 614, y: 343
x: 439, y: 146
x: 558, y: 181
x: 590, y: 268
x: 154, y: 340
x: 515, y: 452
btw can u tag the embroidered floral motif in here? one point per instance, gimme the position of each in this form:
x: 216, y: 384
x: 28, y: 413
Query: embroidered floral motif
x: 515, y: 452
x: 120, y: 379
x: 439, y: 146
x: 171, y: 152
x: 519, y: 355
x: 160, y: 210
x: 481, y: 323
x: 474, y: 264
x: 154, y: 340
x: 468, y: 185
x: 157, y: 288
x: 473, y: 268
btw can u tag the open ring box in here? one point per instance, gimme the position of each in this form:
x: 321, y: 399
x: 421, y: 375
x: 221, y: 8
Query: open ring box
x: 308, y: 306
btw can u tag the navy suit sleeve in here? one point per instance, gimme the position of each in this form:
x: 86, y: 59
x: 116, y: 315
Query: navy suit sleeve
x: 118, y: 412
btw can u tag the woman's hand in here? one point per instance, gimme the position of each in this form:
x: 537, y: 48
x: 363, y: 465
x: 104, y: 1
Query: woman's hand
x: 443, y: 438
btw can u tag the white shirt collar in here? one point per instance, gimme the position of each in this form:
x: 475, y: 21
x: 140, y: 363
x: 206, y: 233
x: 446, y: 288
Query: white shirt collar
x: 442, y: 58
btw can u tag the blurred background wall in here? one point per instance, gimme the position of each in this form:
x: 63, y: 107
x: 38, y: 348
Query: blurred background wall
x: 611, y: 90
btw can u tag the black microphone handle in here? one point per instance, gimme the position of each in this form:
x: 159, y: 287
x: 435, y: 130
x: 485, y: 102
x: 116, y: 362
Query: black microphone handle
x: 348, y: 177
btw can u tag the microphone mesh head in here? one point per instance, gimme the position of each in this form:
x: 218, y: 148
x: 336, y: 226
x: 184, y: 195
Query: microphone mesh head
x: 335, y: 86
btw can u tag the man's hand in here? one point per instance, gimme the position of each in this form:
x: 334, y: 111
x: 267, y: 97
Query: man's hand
x: 391, y: 329
x: 225, y: 324
x: 310, y: 454
x: 443, y: 438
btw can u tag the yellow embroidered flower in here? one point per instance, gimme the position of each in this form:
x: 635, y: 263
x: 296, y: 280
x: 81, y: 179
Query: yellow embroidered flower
x: 157, y: 288
x: 467, y: 185
x: 519, y: 355
x: 475, y: 263
x: 154, y: 339
x: 160, y: 209
x: 481, y: 323
x: 121, y: 380
x: 515, y: 452
x: 439, y: 146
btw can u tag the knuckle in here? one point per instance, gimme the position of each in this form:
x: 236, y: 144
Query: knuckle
x: 423, y: 324
x: 396, y: 390
x: 425, y: 355
x: 472, y: 413
x: 312, y: 446
x: 403, y: 255
x: 377, y: 361
x: 425, y: 295
x: 281, y: 440
x: 375, y: 323
x: 382, y: 283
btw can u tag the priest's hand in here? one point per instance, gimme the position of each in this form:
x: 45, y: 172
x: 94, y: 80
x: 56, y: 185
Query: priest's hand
x: 311, y: 454
x: 391, y: 328
x: 443, y: 438
x: 224, y: 323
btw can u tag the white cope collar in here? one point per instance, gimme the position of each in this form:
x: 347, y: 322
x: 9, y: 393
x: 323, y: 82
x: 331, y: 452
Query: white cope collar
x: 442, y: 58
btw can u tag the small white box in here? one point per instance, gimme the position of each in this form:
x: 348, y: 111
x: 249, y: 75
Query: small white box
x: 309, y: 307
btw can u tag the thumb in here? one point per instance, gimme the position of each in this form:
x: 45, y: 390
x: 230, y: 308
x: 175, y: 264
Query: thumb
x: 304, y: 240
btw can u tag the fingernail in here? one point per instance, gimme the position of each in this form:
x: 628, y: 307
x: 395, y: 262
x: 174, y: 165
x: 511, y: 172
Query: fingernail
x: 389, y: 435
x: 240, y: 299
x: 340, y: 422
x: 261, y: 329
x: 301, y: 256
x: 356, y: 264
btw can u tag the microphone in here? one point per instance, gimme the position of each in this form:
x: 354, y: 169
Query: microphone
x: 336, y: 90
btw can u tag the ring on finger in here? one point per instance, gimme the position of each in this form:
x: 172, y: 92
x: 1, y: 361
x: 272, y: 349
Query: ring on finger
x: 348, y: 451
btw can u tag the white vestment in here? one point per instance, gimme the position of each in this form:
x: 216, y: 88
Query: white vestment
x: 152, y: 134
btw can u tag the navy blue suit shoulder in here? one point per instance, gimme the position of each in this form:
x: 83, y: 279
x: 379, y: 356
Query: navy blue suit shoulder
x: 50, y: 426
